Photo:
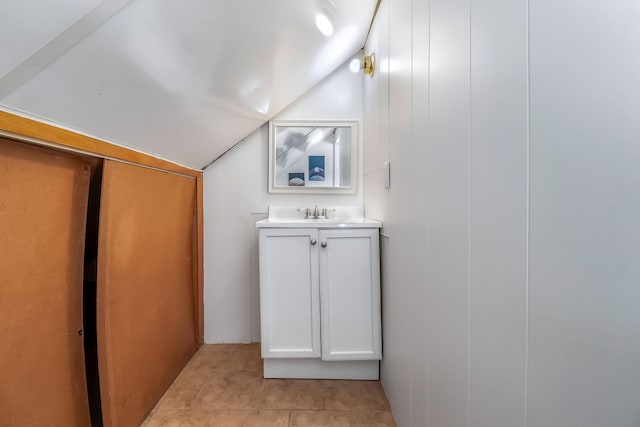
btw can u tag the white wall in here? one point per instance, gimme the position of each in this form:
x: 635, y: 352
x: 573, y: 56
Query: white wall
x: 510, y: 247
x: 584, y: 298
x: 236, y: 197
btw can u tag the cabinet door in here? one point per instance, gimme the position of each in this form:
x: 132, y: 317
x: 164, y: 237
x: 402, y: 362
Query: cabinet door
x: 289, y: 299
x: 146, y: 300
x: 43, y: 209
x: 350, y: 294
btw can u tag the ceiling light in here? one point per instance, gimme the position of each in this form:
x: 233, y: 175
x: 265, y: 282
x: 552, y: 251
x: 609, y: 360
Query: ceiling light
x: 324, y: 24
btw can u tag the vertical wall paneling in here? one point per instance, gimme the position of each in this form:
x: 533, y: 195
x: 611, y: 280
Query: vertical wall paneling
x: 349, y: 94
x: 398, y: 375
x: 456, y: 216
x: 498, y: 212
x: 234, y: 324
x: 145, y: 299
x: 236, y: 194
x: 373, y: 134
x: 321, y: 102
x: 585, y: 238
x: 198, y: 241
x: 255, y: 275
x: 447, y: 304
x: 371, y: 106
x: 213, y: 245
x: 527, y: 283
x: 420, y: 214
x: 43, y: 209
x: 384, y: 65
x: 214, y: 314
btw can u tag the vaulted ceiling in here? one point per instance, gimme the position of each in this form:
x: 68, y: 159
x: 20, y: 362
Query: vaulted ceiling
x: 183, y: 80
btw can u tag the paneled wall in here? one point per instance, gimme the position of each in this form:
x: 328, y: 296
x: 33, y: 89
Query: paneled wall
x: 510, y: 290
x: 584, y: 293
x: 236, y: 197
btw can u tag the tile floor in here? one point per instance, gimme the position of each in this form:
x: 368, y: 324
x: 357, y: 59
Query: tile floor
x: 223, y: 386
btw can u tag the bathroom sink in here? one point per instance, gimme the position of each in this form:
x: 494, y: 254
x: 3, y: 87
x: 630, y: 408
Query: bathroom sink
x: 315, y: 220
x: 338, y: 216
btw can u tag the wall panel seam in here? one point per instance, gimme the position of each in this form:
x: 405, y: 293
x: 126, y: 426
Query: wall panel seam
x: 469, y: 231
x: 528, y: 213
x: 428, y: 198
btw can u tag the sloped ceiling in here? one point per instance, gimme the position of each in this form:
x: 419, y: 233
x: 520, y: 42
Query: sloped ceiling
x: 183, y: 80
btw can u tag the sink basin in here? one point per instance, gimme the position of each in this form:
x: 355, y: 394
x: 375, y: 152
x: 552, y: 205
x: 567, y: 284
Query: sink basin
x: 339, y: 216
x: 318, y: 223
x: 314, y: 220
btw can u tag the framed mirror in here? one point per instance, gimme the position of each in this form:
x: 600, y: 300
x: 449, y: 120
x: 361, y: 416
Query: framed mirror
x: 313, y: 157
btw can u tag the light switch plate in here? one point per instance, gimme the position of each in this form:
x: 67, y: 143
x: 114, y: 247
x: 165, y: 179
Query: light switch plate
x: 387, y: 174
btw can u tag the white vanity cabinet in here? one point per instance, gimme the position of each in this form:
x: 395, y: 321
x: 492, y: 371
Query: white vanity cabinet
x: 320, y: 301
x: 350, y: 294
x: 289, y: 292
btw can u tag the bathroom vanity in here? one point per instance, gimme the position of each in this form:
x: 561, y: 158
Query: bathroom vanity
x: 320, y: 293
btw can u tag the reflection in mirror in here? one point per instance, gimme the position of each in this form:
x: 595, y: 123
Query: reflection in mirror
x: 311, y: 157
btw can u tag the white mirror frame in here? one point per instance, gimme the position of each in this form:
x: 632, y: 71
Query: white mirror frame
x: 355, y: 138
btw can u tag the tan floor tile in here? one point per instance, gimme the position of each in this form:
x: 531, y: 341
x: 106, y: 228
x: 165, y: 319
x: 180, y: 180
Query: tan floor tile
x: 345, y: 395
x: 221, y: 418
x: 245, y: 357
x: 249, y: 418
x: 178, y: 398
x: 231, y: 390
x: 170, y: 418
x: 222, y: 386
x: 185, y: 388
x: 341, y: 419
x: 292, y: 394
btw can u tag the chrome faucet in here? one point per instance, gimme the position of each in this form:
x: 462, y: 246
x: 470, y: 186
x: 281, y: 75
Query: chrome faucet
x: 307, y: 212
x: 316, y: 212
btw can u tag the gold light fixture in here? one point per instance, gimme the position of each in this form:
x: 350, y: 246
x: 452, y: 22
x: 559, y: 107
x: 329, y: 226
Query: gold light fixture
x: 369, y: 64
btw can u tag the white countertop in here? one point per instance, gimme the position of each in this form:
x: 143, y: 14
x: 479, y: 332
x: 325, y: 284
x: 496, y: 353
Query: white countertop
x: 318, y: 223
x: 336, y: 217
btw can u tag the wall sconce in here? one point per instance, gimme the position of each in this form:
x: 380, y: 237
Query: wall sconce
x: 368, y: 64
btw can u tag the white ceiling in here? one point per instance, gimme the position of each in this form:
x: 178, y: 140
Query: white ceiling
x: 181, y: 80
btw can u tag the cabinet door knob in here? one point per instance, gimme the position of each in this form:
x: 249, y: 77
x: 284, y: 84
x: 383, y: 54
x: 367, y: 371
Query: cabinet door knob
x: 313, y: 241
x: 323, y: 244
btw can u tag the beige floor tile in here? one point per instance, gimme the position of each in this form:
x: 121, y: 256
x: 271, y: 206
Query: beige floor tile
x: 341, y: 419
x: 344, y: 395
x: 238, y: 357
x: 249, y: 418
x: 223, y: 386
x: 231, y: 390
x: 292, y: 394
x: 185, y: 388
x: 179, y: 397
x: 170, y: 418
x: 218, y: 418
